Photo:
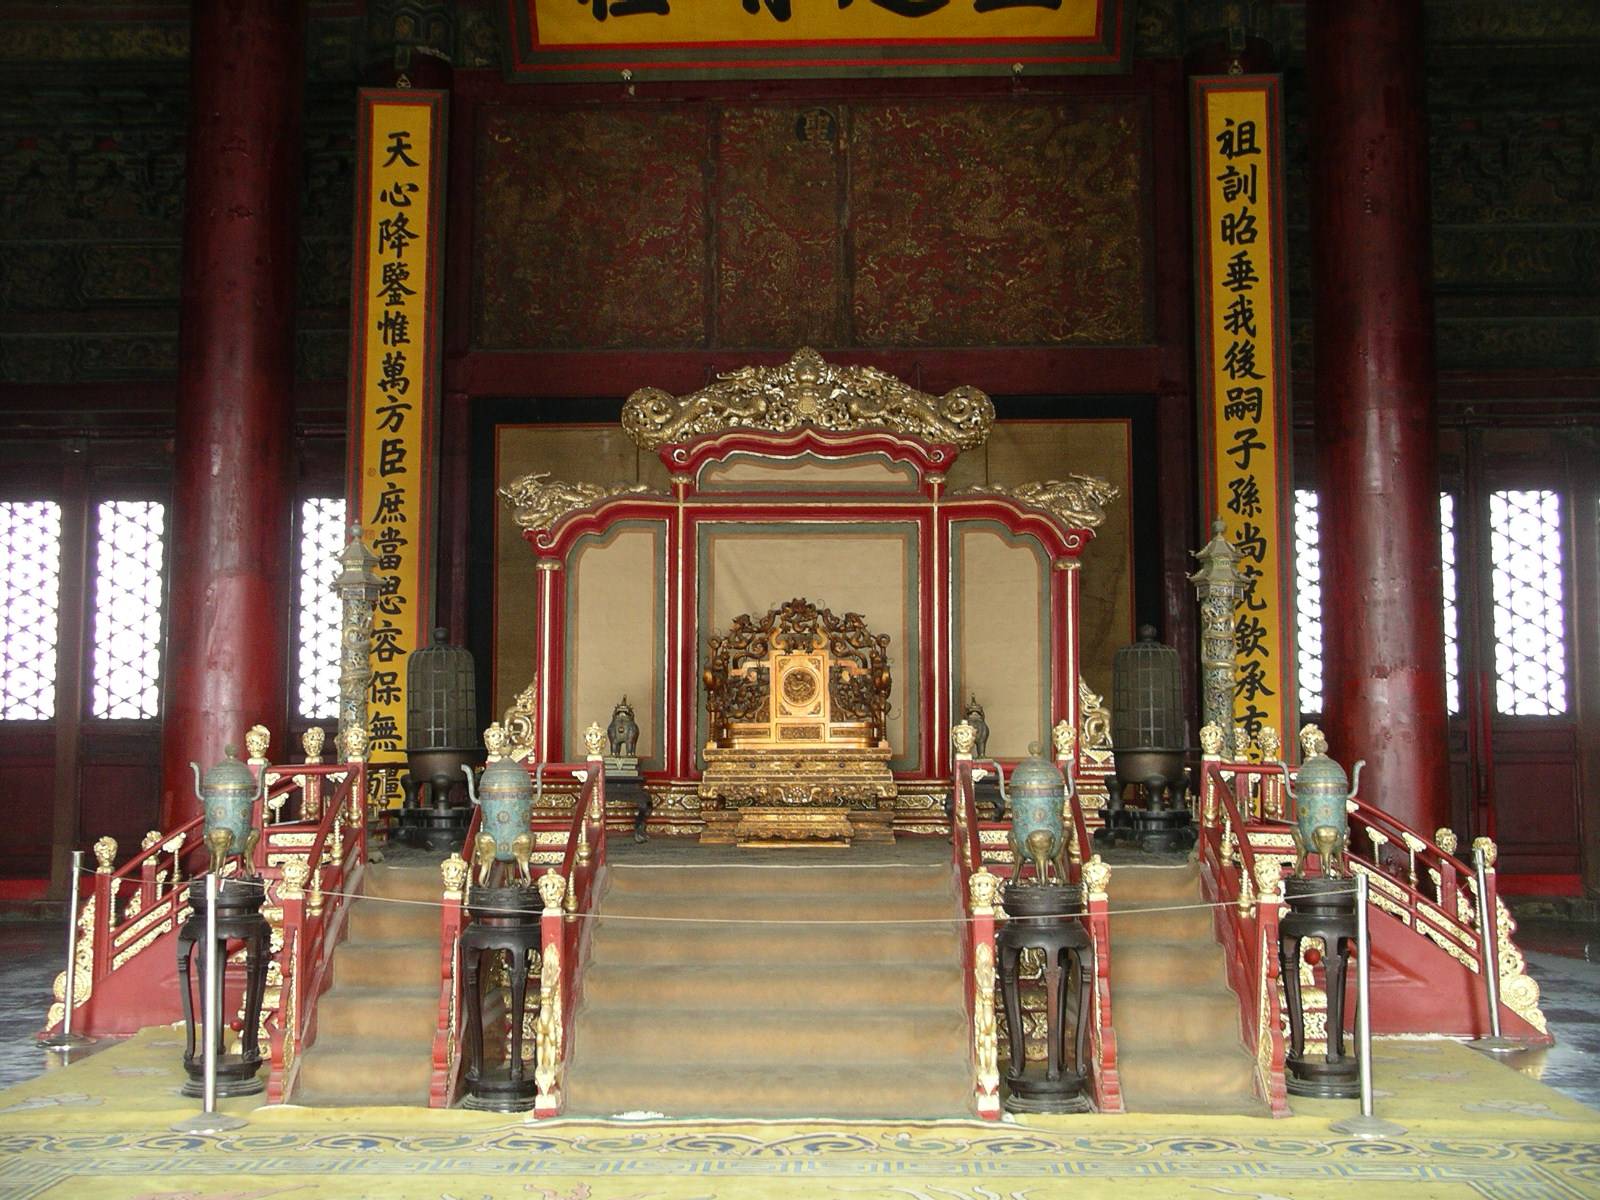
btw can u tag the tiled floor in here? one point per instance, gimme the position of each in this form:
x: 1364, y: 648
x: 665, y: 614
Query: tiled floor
x: 1564, y: 958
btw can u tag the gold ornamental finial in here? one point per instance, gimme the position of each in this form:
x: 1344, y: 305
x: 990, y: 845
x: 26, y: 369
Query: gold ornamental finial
x: 1312, y: 741
x: 1269, y: 879
x: 1063, y: 737
x: 1270, y: 744
x: 256, y: 740
x: 1445, y: 838
x: 151, y: 840
x: 552, y: 890
x: 984, y: 891
x: 1211, y: 740
x: 594, y: 741
x: 355, y: 743
x: 964, y: 739
x: 454, y: 870
x: 105, y: 853
x: 496, y: 741
x: 295, y: 873
x: 311, y: 742
x: 1096, y: 878
x: 1486, y: 844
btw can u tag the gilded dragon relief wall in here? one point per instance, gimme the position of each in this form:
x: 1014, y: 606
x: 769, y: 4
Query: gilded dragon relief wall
x: 1006, y: 221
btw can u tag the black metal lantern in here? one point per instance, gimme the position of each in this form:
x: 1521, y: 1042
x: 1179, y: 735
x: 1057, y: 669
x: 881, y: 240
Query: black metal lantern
x: 239, y: 919
x: 1148, y: 743
x: 441, y: 738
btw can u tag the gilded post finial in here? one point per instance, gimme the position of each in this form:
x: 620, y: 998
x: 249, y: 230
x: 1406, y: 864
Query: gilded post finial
x: 1211, y: 740
x: 983, y: 889
x: 552, y: 890
x: 963, y: 739
x: 1445, y: 838
x: 1096, y: 878
x: 1313, y: 741
x: 454, y: 871
x: 256, y: 740
x: 1269, y: 880
x: 311, y: 741
x: 295, y: 873
x: 1270, y: 744
x: 105, y: 853
x: 496, y: 741
x: 355, y: 743
x: 594, y: 741
x: 151, y: 840
x: 1063, y: 737
x: 1485, y: 844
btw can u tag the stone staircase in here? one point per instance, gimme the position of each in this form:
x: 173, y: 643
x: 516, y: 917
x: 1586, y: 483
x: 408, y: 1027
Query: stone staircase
x: 1179, y: 1044
x: 374, y: 1043
x: 774, y: 1020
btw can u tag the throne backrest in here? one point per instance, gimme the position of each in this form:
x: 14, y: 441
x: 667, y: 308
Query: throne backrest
x: 798, y: 676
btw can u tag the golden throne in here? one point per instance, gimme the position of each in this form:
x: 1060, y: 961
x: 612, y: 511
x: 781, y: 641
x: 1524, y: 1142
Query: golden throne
x: 796, y: 703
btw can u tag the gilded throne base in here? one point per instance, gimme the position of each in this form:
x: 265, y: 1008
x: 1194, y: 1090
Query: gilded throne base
x: 751, y: 796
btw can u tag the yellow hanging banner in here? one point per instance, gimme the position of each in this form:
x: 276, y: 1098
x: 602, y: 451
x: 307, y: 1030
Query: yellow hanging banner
x: 394, y: 383
x: 1243, y: 382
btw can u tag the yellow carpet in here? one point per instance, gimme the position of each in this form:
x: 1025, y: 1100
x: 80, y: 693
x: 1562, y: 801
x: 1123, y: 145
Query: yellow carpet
x: 99, y: 1128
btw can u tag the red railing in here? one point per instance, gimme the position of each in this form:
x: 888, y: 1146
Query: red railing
x: 314, y: 885
x: 978, y: 961
x: 1105, y: 1081
x: 1246, y: 922
x: 569, y: 891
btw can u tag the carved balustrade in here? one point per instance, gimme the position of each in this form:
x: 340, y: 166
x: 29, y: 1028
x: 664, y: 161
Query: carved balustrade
x: 1247, y: 887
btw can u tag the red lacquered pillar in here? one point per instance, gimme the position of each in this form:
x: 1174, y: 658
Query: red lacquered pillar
x: 1383, y: 639
x: 227, y: 651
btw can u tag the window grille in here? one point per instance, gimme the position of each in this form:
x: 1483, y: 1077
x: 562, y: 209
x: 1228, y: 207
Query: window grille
x: 30, y: 597
x: 129, y: 550
x: 1452, y: 627
x: 1308, y: 600
x: 1530, y: 649
x: 322, y: 537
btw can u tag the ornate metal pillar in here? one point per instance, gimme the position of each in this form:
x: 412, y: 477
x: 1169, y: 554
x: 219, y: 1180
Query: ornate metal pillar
x: 357, y: 586
x: 1217, y: 584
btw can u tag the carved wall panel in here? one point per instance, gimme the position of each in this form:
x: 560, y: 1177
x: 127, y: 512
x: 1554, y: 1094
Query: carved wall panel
x: 942, y: 222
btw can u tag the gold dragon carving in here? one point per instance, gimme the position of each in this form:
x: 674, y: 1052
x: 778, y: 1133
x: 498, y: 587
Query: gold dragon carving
x: 1078, y: 500
x: 538, y: 502
x: 806, y: 390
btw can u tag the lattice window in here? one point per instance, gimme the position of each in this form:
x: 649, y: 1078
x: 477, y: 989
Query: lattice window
x: 322, y: 537
x: 30, y: 595
x: 130, y: 547
x: 1452, y: 627
x: 1530, y: 646
x: 1308, y: 600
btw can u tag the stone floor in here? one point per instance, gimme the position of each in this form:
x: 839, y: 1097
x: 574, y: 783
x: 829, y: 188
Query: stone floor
x: 1563, y: 957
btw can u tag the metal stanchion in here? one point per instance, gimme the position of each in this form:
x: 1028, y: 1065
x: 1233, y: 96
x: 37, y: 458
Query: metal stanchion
x: 1366, y: 1125
x: 1489, y: 963
x: 208, y: 1119
x: 66, y: 1039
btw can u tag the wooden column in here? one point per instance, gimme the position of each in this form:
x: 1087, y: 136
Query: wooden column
x: 1375, y: 411
x: 227, y: 658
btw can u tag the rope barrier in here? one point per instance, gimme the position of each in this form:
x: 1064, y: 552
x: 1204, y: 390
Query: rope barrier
x: 329, y: 894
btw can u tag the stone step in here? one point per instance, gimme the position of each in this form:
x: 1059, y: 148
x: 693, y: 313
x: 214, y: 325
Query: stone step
x: 818, y: 987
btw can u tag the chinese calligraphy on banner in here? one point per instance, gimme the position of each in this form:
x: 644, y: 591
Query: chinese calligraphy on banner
x: 703, y: 39
x: 1243, y: 378
x: 394, y: 350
